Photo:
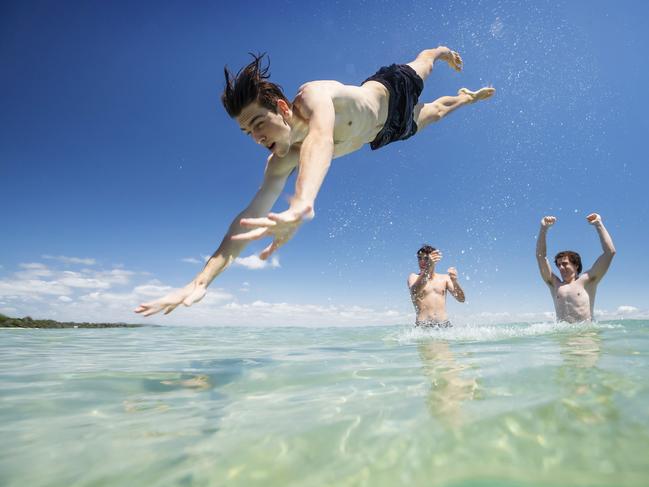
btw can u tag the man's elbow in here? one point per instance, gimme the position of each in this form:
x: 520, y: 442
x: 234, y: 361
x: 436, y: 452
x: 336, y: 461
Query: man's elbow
x: 547, y: 278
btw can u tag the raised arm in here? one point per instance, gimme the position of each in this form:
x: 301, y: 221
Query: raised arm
x: 453, y: 285
x: 275, y: 176
x: 541, y: 251
x: 603, y: 262
x: 416, y: 283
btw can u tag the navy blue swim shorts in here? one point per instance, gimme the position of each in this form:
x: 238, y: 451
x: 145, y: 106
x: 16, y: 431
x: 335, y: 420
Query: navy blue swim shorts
x: 404, y: 85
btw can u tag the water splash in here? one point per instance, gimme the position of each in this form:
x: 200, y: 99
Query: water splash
x: 487, y: 333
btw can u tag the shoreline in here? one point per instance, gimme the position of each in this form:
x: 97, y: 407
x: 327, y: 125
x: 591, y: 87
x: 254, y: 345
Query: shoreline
x: 29, y: 322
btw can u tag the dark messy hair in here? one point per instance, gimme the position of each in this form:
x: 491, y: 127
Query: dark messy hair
x: 250, y: 85
x: 573, y: 257
x: 425, y: 250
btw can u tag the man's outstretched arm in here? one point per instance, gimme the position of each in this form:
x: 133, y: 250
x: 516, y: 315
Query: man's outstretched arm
x: 316, y: 152
x: 541, y: 250
x: 603, y: 262
x: 275, y: 177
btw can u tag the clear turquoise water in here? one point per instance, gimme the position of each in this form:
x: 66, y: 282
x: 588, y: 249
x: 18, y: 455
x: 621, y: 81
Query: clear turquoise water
x: 529, y: 405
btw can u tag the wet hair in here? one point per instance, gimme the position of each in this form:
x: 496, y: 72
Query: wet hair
x: 425, y: 250
x: 250, y: 85
x: 573, y: 257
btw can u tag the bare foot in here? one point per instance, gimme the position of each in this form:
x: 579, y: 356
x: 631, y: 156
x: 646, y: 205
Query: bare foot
x: 451, y: 57
x: 481, y: 94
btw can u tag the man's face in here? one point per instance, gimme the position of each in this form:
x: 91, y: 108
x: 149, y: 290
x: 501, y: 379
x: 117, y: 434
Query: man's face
x: 266, y: 127
x: 567, y: 269
x: 422, y: 260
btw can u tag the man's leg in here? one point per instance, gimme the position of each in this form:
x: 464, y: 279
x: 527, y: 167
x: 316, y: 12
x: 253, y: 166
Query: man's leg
x: 428, y: 113
x: 423, y: 64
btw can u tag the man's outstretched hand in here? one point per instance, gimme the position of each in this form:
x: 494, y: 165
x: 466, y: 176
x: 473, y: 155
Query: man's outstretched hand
x: 280, y: 226
x: 188, y: 295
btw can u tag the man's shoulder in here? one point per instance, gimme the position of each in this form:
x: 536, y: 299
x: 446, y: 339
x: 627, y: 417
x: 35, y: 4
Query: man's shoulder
x: 319, y: 85
x: 317, y: 90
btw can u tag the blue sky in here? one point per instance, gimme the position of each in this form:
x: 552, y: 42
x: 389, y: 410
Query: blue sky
x: 121, y: 170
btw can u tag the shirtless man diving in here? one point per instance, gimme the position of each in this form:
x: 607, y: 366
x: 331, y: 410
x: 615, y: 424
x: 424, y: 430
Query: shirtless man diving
x: 326, y: 120
x: 428, y: 289
x: 574, y: 293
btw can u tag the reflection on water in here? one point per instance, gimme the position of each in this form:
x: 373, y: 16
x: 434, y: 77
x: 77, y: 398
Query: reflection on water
x: 581, y: 349
x: 589, y: 395
x: 449, y: 388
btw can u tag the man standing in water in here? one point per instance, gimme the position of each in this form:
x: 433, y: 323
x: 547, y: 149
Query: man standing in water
x: 574, y: 293
x: 326, y: 120
x: 428, y: 289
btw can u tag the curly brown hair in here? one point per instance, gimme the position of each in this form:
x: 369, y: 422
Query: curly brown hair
x: 573, y: 257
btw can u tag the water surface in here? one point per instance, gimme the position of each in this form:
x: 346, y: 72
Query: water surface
x: 518, y: 404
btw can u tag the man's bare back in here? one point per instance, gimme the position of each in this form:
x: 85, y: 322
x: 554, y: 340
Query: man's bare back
x: 574, y: 292
x: 326, y: 120
x: 428, y: 289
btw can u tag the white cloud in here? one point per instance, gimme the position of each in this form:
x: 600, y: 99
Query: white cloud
x: 70, y: 260
x: 278, y: 314
x: 109, y: 299
x: 100, y: 295
x: 115, y: 276
x: 253, y: 262
x: 191, y: 260
x: 33, y: 270
x: 626, y: 310
x: 75, y: 280
x: 153, y: 290
x: 32, y: 288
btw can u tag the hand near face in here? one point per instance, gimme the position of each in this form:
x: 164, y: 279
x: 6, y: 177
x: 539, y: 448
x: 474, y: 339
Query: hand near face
x: 452, y: 273
x: 548, y: 221
x: 594, y: 219
x: 280, y: 226
x: 435, y: 256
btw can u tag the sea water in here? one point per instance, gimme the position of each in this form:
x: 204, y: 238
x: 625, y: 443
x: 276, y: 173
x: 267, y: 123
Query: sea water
x: 480, y: 405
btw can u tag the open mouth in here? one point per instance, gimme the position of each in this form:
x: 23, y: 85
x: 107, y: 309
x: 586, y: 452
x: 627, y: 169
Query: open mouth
x: 271, y: 147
